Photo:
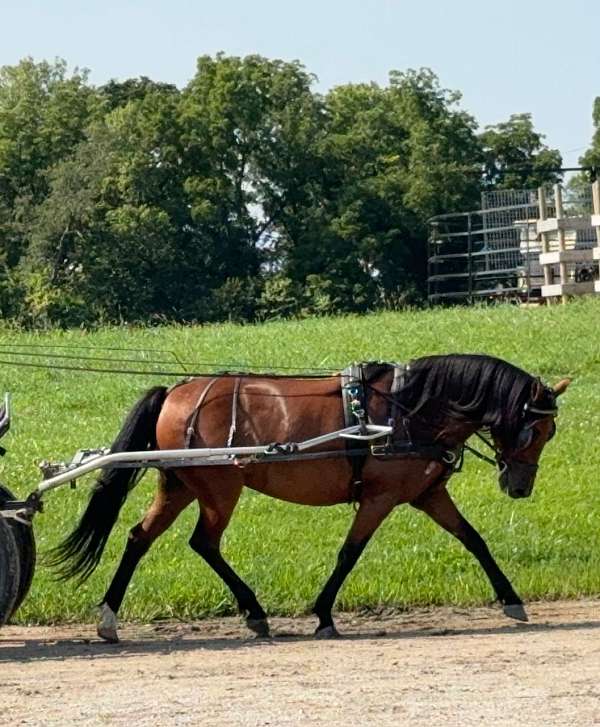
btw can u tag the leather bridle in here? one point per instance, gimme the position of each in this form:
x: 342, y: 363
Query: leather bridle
x: 499, y: 461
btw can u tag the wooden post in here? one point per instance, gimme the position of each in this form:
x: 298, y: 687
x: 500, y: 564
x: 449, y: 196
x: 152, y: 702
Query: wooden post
x: 562, y: 257
x: 543, y: 210
x: 562, y: 266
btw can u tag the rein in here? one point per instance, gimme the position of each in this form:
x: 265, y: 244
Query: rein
x: 494, y: 462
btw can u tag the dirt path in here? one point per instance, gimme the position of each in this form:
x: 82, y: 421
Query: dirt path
x: 426, y: 667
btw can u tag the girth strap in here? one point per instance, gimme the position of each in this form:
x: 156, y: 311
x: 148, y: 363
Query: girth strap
x: 354, y: 402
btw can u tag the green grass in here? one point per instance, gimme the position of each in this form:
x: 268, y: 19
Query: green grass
x: 548, y: 545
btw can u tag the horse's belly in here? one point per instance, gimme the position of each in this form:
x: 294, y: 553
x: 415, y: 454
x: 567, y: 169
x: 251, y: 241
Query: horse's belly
x: 328, y: 482
x: 323, y: 483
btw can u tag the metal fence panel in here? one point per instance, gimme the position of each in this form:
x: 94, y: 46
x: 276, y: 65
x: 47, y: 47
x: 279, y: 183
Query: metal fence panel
x: 494, y: 252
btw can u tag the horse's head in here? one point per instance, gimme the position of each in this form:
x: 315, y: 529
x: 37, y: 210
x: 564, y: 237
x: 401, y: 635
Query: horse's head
x: 518, y: 459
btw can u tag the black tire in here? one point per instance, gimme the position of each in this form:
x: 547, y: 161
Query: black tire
x: 9, y: 571
x: 25, y: 542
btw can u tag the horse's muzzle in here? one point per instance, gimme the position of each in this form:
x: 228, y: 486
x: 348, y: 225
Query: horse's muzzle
x: 517, y: 478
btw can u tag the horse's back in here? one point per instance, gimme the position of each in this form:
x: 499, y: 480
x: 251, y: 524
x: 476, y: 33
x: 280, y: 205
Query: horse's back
x: 262, y: 409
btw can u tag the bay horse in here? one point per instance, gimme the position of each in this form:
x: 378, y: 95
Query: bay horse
x: 442, y: 401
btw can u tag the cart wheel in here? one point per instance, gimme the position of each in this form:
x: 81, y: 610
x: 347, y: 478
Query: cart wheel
x: 25, y: 542
x: 9, y: 571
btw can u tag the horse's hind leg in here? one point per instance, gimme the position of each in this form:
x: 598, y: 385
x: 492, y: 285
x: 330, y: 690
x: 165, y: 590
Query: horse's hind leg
x: 171, y: 498
x: 439, y: 506
x: 370, y: 515
x: 206, y: 539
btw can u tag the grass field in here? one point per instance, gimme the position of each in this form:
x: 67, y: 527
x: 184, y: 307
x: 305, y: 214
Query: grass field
x: 548, y: 545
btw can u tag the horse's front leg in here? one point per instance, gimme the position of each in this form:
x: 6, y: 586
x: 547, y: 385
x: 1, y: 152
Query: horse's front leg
x: 440, y: 507
x: 371, y: 513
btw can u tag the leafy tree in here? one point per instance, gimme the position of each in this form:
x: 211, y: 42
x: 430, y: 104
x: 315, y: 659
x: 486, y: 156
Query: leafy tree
x: 248, y: 127
x: 388, y: 159
x: 110, y: 230
x: 43, y: 112
x: 592, y: 156
x: 515, y: 156
x: 115, y: 93
x: 246, y: 195
x: 243, y: 121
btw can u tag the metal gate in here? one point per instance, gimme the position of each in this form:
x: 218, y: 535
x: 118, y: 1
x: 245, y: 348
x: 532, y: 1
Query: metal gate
x: 494, y: 252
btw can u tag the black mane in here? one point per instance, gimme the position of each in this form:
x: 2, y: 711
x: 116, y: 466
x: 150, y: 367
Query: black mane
x: 481, y: 389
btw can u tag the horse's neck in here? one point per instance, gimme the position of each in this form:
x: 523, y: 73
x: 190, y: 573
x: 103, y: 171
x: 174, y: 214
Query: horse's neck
x: 457, y: 433
x: 433, y: 423
x: 443, y: 427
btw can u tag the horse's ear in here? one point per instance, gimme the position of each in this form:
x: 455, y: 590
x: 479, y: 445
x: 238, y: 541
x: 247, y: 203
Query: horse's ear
x: 537, y: 390
x: 561, y: 386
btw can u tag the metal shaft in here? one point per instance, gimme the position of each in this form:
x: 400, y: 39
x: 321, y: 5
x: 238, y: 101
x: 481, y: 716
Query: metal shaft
x: 156, y: 457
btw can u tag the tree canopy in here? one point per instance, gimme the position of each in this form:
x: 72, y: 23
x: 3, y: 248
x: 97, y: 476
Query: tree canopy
x: 245, y: 195
x: 592, y: 156
x: 515, y: 156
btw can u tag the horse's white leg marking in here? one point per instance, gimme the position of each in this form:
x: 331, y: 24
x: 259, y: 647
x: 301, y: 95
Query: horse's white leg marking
x: 107, y: 626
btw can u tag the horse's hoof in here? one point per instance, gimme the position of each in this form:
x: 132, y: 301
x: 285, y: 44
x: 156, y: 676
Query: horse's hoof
x: 109, y: 635
x: 107, y: 627
x: 516, y: 611
x: 327, y: 632
x: 260, y: 626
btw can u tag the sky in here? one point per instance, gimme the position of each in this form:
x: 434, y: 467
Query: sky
x: 505, y: 56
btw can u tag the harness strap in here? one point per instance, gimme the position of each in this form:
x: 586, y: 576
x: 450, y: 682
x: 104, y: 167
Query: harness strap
x: 191, y: 428
x: 398, y: 382
x: 234, y: 407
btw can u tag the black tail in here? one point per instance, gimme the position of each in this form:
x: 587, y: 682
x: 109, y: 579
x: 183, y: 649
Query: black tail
x: 80, y: 552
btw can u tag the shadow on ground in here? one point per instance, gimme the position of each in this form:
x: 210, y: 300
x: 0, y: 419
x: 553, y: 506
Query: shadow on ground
x: 180, y: 638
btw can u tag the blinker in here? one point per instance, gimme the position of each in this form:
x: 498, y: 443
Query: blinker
x: 525, y: 438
